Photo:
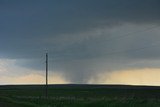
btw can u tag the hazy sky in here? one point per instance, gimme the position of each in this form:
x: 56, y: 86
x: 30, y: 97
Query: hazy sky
x: 88, y: 41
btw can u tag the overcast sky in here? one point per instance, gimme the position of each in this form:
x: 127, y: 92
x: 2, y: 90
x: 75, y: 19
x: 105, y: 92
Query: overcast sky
x: 88, y: 41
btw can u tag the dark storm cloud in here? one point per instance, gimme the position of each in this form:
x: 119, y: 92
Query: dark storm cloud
x: 79, y: 34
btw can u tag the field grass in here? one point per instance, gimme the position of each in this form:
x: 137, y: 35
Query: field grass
x: 79, y: 96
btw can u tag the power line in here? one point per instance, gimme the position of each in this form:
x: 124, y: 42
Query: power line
x: 133, y: 33
x: 132, y: 50
x: 130, y: 34
x: 46, y: 75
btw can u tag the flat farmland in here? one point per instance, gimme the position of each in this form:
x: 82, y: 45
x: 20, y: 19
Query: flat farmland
x: 79, y: 96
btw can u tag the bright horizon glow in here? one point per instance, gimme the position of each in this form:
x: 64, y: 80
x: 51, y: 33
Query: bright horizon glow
x: 147, y: 76
x: 33, y: 79
x: 9, y: 74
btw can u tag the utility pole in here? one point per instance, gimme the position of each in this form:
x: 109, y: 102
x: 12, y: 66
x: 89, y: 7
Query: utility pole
x: 46, y: 75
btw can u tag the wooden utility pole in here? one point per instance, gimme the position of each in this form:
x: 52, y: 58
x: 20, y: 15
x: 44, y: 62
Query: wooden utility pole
x: 46, y: 75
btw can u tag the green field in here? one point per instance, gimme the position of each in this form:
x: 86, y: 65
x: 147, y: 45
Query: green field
x: 79, y: 96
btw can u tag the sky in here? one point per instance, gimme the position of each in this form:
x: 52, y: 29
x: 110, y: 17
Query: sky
x: 88, y: 41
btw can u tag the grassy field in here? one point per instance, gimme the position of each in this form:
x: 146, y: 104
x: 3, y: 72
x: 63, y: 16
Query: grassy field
x: 79, y: 96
